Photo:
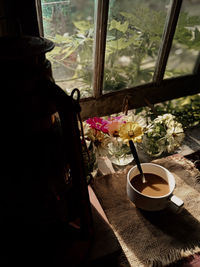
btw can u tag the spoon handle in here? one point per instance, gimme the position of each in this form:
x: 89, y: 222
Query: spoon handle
x: 135, y: 154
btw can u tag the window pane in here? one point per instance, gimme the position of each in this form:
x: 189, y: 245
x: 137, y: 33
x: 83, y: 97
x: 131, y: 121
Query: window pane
x: 186, y: 43
x: 70, y: 25
x: 133, y: 38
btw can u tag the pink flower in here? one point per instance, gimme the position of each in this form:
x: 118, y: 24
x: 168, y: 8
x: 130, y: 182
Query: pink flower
x: 98, y: 124
x: 114, y: 124
x: 114, y: 118
x: 117, y: 118
x: 114, y: 127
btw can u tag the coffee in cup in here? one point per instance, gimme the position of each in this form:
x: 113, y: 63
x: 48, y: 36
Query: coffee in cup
x: 157, y: 192
x: 155, y: 186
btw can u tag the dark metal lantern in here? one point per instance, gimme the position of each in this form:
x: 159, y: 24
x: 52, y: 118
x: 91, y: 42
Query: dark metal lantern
x: 45, y: 202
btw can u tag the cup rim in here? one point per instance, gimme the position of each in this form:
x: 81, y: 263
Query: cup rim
x: 153, y: 197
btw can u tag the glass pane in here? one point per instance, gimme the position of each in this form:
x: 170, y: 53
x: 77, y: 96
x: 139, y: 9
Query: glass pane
x: 186, y: 43
x: 133, y: 38
x: 70, y: 25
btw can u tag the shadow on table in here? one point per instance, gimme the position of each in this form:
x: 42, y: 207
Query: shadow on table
x: 182, y: 227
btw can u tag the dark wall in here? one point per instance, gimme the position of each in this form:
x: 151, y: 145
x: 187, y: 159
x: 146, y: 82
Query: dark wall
x: 16, y: 16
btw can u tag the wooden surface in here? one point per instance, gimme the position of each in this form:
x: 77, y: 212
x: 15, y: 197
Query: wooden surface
x: 105, y: 248
x: 139, y: 95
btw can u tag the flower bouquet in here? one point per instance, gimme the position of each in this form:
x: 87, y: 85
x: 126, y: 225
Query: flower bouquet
x: 163, y: 135
x: 110, y: 137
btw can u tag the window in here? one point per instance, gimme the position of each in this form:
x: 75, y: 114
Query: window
x: 146, y: 50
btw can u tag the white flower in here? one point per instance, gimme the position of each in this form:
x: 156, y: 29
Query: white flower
x: 136, y: 118
x: 164, y: 134
x: 164, y: 118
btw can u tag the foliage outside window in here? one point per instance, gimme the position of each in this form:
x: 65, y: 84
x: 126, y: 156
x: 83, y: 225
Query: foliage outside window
x: 134, y: 35
x: 70, y: 25
x: 186, y: 43
x: 133, y: 40
x: 139, y: 35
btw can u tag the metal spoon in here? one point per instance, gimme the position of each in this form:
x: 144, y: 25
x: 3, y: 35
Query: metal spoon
x: 136, y: 159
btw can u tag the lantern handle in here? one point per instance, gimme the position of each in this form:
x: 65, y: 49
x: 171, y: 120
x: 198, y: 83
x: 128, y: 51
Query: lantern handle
x: 81, y: 126
x: 78, y: 94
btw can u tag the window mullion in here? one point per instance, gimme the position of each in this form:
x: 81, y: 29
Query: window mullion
x: 197, y: 66
x: 39, y: 16
x: 169, y: 30
x: 100, y: 44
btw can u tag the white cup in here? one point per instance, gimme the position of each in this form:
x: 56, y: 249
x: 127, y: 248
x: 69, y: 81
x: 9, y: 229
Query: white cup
x: 153, y: 203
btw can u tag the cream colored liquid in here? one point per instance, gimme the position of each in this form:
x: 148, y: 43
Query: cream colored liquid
x: 154, y: 186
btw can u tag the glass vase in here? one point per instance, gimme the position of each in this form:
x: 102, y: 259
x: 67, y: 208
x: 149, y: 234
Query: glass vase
x: 119, y: 153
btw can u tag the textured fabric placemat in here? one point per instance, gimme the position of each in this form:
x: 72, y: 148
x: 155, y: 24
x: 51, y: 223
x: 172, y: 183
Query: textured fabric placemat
x: 154, y: 238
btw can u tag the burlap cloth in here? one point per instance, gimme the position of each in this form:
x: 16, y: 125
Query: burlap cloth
x: 154, y: 238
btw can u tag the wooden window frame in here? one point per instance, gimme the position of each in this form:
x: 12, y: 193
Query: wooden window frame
x: 157, y: 91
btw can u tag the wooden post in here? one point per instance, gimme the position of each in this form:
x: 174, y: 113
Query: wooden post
x: 100, y: 44
x: 169, y: 30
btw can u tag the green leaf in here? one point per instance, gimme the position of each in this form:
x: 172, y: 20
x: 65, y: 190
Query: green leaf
x: 82, y: 25
x: 62, y: 39
x: 67, y: 52
x: 120, y: 43
x: 186, y: 101
x: 122, y: 27
x: 127, y: 15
